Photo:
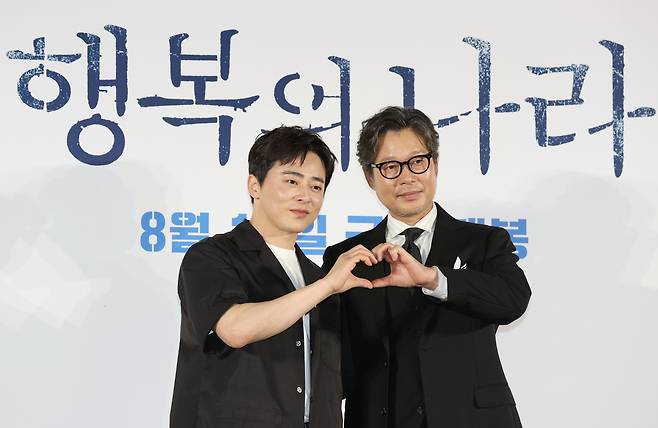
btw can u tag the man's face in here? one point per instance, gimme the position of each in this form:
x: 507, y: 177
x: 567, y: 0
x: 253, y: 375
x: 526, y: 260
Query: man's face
x: 409, y: 197
x: 290, y: 197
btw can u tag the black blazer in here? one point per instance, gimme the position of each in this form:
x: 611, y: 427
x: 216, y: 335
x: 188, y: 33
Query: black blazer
x: 463, y: 383
x: 255, y: 386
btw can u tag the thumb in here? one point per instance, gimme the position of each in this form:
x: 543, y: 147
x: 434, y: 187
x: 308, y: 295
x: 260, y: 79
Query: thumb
x: 361, y: 282
x: 383, y: 282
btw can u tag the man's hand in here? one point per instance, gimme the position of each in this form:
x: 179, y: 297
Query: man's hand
x: 340, y: 277
x: 405, y: 270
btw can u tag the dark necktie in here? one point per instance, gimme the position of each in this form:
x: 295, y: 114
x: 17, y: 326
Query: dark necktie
x: 410, y: 235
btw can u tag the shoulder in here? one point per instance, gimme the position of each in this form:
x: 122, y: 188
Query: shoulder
x: 349, y: 243
x: 481, y: 232
x: 363, y: 238
x: 218, y: 248
x: 473, y: 227
x: 331, y: 254
x: 462, y: 228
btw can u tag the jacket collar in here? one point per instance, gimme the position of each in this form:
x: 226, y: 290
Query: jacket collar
x: 247, y: 238
x: 444, y: 221
x: 444, y: 241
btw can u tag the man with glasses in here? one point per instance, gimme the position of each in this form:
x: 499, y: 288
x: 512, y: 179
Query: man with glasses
x: 420, y: 349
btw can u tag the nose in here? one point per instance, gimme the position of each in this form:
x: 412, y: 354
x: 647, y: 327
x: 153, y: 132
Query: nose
x: 406, y: 175
x: 304, y: 194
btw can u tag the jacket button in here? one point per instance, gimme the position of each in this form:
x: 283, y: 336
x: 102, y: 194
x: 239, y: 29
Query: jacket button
x: 299, y: 389
x: 420, y: 410
x: 383, y: 411
x: 298, y: 343
x: 385, y: 363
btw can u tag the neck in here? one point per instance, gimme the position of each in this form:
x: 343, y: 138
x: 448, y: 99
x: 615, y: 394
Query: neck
x: 271, y: 235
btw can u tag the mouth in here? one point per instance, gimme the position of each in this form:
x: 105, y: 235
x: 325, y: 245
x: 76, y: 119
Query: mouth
x: 299, y: 213
x: 410, y: 195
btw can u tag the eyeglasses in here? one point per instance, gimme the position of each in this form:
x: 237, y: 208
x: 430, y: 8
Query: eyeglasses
x: 392, y: 169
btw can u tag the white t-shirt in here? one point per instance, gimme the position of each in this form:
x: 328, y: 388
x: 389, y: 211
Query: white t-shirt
x: 288, y: 260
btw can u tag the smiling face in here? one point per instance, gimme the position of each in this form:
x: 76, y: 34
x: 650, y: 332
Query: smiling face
x: 288, y: 200
x: 409, y: 197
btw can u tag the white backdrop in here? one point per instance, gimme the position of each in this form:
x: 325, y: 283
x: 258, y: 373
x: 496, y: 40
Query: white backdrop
x: 89, y: 314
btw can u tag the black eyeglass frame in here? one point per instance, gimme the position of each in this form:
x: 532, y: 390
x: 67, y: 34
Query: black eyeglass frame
x: 379, y: 166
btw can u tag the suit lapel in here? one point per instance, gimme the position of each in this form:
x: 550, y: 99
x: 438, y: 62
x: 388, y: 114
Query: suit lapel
x: 444, y: 249
x: 310, y: 271
x: 445, y: 243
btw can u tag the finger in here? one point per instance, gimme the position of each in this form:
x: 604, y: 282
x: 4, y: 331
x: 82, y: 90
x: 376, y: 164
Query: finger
x: 359, y: 248
x: 370, y: 256
x: 389, y: 255
x: 360, y: 282
x: 355, y: 257
x: 365, y: 254
x: 405, y: 256
x: 358, y: 254
x: 394, y: 253
x: 380, y: 250
x: 363, y: 258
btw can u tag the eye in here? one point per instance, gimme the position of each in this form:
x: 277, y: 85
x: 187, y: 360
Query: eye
x: 390, y: 166
x: 291, y: 181
x: 317, y: 188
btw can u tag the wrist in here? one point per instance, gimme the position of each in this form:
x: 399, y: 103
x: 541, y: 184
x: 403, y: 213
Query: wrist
x: 326, y: 286
x: 432, y: 281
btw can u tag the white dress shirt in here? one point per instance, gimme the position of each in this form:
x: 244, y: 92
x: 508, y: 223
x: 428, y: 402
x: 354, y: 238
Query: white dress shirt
x: 395, y: 227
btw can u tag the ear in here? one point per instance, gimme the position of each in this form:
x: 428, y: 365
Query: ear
x: 367, y: 172
x: 253, y: 187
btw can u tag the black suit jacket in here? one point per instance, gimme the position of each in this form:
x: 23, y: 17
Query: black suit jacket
x: 463, y: 383
x: 255, y: 386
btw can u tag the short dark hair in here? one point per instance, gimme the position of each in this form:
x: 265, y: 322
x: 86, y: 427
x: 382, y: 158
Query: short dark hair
x: 286, y: 144
x: 395, y: 119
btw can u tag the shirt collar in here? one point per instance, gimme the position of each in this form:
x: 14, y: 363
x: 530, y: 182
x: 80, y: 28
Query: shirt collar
x: 394, y: 226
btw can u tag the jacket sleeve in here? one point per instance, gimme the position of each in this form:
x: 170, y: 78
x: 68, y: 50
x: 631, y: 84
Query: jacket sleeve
x: 499, y: 293
x: 329, y: 259
x: 208, y: 285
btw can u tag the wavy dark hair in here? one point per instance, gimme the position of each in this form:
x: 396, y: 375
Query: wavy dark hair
x: 286, y: 144
x: 395, y: 119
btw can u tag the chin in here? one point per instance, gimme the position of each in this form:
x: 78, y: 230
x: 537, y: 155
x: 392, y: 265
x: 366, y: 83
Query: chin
x: 414, y: 207
x: 299, y: 226
x: 411, y: 210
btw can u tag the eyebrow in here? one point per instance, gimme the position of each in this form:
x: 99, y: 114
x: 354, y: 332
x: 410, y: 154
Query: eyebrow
x: 413, y: 154
x: 300, y: 175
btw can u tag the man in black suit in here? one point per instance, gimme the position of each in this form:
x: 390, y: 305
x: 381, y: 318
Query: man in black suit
x: 420, y: 348
x: 259, y: 341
